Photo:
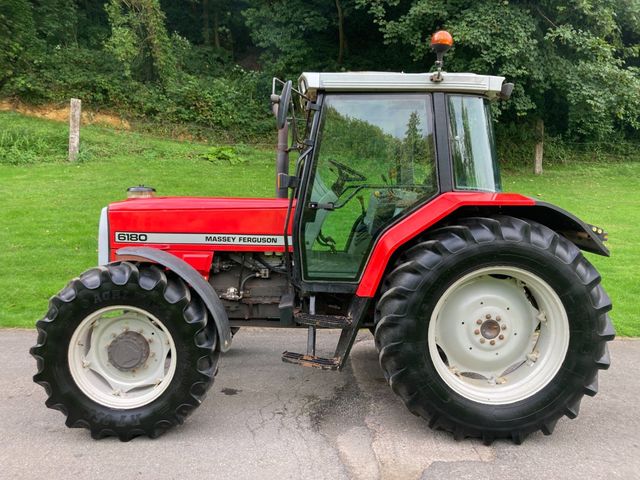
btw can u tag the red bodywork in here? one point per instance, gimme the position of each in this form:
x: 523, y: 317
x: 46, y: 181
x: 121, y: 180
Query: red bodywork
x: 419, y: 221
x: 195, y: 215
x: 178, y: 217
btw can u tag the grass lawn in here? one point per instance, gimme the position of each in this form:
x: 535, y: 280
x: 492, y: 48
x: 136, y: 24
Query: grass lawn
x: 607, y: 195
x: 50, y: 209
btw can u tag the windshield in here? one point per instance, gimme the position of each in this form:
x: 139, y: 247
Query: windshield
x: 473, y: 151
x: 374, y: 161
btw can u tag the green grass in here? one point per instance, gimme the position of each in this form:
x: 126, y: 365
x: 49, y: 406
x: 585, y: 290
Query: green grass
x: 50, y: 208
x: 49, y: 211
x: 607, y: 195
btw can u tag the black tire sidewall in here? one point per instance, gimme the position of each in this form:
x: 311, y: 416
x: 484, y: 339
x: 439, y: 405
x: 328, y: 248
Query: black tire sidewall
x: 88, y: 301
x: 527, y: 414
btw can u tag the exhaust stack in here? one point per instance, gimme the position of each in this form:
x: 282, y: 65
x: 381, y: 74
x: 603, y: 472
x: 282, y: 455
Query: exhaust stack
x: 280, y: 105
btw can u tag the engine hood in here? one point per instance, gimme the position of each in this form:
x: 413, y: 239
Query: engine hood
x: 199, y: 223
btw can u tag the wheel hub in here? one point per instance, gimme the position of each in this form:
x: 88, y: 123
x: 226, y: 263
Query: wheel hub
x: 494, y: 328
x: 490, y: 329
x: 128, y: 351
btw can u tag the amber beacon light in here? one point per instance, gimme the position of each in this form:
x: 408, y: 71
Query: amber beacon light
x: 441, y: 42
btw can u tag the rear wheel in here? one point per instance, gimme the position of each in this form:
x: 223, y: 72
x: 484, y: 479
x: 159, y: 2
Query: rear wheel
x: 493, y: 328
x: 125, y: 350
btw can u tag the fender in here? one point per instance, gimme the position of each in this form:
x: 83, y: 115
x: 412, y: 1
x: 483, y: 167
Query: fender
x: 452, y: 205
x: 587, y: 237
x: 194, y: 279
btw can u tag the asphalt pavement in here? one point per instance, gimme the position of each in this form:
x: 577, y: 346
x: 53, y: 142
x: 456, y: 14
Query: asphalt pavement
x: 264, y: 419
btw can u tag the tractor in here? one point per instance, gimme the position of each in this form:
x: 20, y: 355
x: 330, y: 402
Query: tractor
x: 488, y: 320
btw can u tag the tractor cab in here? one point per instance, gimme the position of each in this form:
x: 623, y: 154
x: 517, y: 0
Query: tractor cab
x: 377, y: 146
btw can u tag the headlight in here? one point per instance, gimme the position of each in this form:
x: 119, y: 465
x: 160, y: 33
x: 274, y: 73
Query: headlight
x: 103, y: 238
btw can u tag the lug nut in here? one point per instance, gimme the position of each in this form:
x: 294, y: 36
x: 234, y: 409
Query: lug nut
x: 488, y: 316
x: 501, y: 337
x: 482, y: 340
x: 492, y: 342
x: 476, y: 331
x: 498, y: 319
x: 479, y: 322
x: 504, y: 327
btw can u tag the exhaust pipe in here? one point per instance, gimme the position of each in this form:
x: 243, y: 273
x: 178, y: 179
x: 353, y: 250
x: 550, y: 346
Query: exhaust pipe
x: 280, y: 106
x: 282, y: 160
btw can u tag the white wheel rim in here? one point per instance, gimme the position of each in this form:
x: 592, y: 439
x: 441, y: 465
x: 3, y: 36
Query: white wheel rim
x: 490, y: 343
x: 126, y: 386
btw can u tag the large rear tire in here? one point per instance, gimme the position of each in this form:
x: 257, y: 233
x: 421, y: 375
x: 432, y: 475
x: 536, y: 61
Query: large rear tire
x: 125, y: 350
x: 493, y: 328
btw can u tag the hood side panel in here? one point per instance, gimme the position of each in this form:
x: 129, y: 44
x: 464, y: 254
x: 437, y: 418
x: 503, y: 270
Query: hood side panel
x: 193, y: 228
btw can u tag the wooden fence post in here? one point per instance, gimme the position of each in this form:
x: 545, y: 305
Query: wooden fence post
x: 74, y: 128
x: 537, y: 167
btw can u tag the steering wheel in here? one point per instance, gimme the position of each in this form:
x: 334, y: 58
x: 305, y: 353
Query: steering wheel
x: 345, y: 171
x: 345, y: 174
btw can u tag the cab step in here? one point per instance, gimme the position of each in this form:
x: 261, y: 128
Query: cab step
x: 323, y: 321
x: 348, y: 335
x: 311, y: 361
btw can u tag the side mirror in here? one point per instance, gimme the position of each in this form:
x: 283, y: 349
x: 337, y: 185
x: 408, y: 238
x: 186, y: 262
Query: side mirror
x: 283, y: 105
x: 505, y: 91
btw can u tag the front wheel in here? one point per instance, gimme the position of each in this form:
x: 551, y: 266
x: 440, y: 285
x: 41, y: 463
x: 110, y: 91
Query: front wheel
x: 125, y: 350
x: 493, y: 328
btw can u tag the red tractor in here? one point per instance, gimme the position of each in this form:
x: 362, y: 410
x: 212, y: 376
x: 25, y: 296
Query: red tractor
x: 488, y: 320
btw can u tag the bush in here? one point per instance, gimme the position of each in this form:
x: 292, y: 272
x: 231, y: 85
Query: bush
x: 60, y: 73
x: 232, y: 107
x: 516, y: 147
x: 21, y: 147
x: 218, y: 155
x: 17, y: 33
x: 227, y: 103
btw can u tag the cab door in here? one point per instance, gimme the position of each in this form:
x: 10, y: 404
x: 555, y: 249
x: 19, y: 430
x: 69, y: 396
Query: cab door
x: 374, y: 160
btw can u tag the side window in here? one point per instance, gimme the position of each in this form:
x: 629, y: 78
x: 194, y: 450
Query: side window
x: 473, y: 150
x: 375, y: 159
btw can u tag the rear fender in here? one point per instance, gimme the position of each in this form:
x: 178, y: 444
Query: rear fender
x: 587, y: 237
x: 448, y: 207
x: 191, y: 277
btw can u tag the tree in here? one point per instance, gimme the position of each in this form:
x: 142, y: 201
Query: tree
x: 298, y: 35
x: 139, y: 39
x: 286, y: 36
x: 17, y: 34
x: 571, y: 61
x: 214, y: 26
x: 412, y: 150
x: 343, y: 11
x: 342, y: 39
x: 55, y: 21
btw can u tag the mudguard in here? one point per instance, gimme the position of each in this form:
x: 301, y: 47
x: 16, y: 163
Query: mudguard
x: 586, y: 236
x: 449, y: 206
x: 194, y: 279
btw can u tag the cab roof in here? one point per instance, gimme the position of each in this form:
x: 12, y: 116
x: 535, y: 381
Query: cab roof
x: 485, y: 85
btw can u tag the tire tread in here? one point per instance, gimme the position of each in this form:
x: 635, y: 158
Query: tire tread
x: 394, y: 327
x: 148, y: 278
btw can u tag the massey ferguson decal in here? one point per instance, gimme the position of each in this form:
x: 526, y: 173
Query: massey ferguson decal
x: 200, y: 238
